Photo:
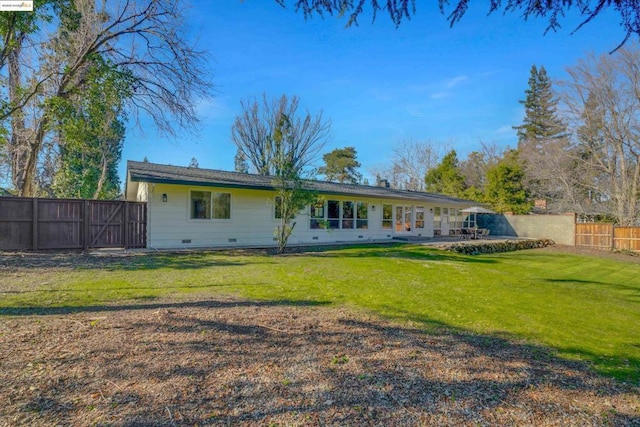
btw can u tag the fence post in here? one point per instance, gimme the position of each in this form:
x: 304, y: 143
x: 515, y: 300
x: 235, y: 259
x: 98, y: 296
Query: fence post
x: 85, y: 225
x: 613, y: 237
x: 126, y: 224
x: 34, y: 237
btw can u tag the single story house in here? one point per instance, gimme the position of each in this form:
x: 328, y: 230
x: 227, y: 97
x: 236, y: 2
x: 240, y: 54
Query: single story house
x: 193, y: 207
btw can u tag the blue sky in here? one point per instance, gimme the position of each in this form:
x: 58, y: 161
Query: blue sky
x: 379, y: 85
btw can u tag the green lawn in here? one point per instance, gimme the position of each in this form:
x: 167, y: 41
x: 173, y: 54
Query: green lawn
x: 585, y: 308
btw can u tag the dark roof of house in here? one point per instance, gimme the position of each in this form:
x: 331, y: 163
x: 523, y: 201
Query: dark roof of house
x: 166, y: 174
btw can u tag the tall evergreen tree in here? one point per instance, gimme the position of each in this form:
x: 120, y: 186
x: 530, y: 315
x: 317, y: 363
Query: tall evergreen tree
x: 341, y: 165
x: 541, y: 122
x: 446, y: 178
x: 504, y: 188
x: 544, y: 146
x: 240, y: 163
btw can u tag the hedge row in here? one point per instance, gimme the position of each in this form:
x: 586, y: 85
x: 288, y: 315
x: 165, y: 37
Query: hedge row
x: 503, y: 246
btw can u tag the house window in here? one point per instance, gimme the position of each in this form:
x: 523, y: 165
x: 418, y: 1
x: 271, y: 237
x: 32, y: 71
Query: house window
x: 347, y: 215
x: 362, y: 221
x: 221, y: 205
x: 317, y: 215
x: 200, y: 204
x: 208, y: 205
x: 278, y: 208
x: 387, y: 217
x: 437, y: 221
x: 333, y: 214
x: 419, y: 217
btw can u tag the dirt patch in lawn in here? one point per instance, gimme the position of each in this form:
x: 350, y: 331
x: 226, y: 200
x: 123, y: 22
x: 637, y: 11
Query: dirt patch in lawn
x: 626, y: 256
x: 236, y: 362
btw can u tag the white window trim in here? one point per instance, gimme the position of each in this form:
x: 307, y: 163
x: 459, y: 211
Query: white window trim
x: 209, y: 220
x: 325, y: 218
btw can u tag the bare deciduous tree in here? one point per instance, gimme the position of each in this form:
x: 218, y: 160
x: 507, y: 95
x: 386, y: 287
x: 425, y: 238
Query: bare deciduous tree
x: 602, y: 97
x: 409, y: 164
x: 474, y: 168
x: 254, y: 132
x: 144, y: 40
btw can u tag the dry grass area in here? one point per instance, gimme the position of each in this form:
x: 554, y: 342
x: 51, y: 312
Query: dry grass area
x: 234, y: 362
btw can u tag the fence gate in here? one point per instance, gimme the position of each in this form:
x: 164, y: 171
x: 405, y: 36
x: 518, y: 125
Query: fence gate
x: 33, y: 224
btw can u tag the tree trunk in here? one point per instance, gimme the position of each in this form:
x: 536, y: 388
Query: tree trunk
x: 103, y: 177
x: 18, y: 147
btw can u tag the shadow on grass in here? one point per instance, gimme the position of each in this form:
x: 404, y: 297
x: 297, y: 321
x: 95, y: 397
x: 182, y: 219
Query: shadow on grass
x: 48, y: 311
x: 631, y: 292
x: 194, y: 260
x: 126, y: 261
x: 261, y: 365
x: 396, y: 250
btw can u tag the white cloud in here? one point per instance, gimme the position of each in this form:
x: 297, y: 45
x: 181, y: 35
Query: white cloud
x: 451, y: 83
x: 503, y: 130
x: 446, y: 87
x: 415, y: 111
x: 440, y: 95
x: 211, y: 108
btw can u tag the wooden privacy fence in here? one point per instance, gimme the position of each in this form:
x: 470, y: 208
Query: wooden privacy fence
x: 608, y: 236
x: 34, y: 224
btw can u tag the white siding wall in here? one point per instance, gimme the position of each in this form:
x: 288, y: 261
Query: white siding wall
x: 142, y: 195
x: 252, y: 220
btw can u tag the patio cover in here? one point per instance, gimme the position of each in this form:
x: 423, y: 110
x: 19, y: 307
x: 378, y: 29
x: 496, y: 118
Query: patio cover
x: 477, y: 210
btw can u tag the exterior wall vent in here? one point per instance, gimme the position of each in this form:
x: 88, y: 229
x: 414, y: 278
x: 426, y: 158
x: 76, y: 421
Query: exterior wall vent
x: 360, y: 237
x: 233, y: 240
x: 186, y: 240
x: 388, y: 235
x: 315, y: 237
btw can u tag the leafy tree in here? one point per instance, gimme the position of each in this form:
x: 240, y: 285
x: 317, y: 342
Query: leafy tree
x: 554, y: 11
x: 254, y: 128
x: 474, y: 170
x: 240, y: 162
x: 91, y: 133
x: 504, y: 188
x: 291, y: 196
x: 341, y: 166
x: 446, y: 177
x: 194, y: 163
x: 142, y: 39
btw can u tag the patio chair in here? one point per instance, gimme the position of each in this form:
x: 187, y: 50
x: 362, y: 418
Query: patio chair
x: 483, y: 233
x: 464, y: 234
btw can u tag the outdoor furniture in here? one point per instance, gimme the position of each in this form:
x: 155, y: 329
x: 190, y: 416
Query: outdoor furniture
x: 482, y: 233
x: 464, y: 234
x: 473, y: 233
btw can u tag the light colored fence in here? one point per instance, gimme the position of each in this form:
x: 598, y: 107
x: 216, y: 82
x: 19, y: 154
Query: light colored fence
x: 626, y: 238
x: 608, y: 236
x: 598, y: 236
